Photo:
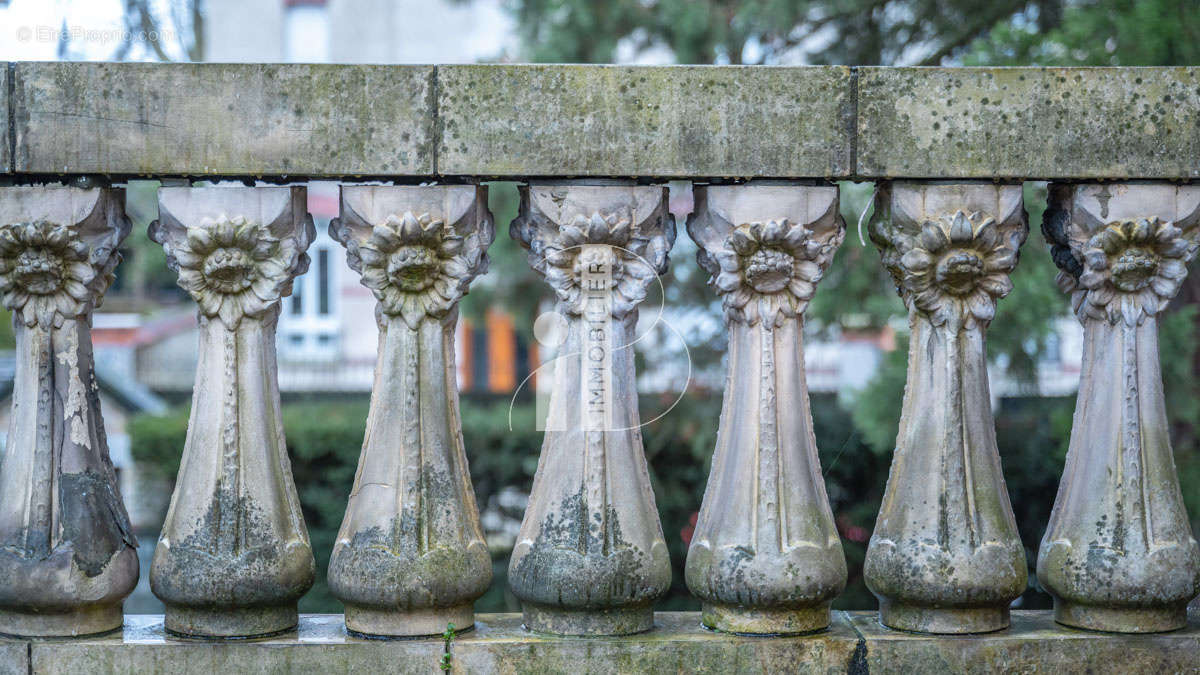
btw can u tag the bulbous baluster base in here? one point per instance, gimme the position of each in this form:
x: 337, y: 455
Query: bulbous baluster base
x: 747, y: 621
x: 231, y: 622
x: 943, y: 620
x: 80, y: 622
x: 588, y: 622
x: 1120, y: 619
x: 375, y: 622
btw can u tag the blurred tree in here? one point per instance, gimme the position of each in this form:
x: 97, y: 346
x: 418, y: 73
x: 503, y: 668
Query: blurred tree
x: 851, y: 32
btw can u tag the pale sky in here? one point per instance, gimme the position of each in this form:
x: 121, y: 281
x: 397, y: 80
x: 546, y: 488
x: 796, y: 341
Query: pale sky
x: 29, y: 29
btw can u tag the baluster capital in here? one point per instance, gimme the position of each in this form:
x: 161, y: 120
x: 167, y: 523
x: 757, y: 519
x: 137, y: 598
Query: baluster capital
x: 58, y: 250
x: 1122, y: 249
x: 765, y: 246
x: 558, y: 223
x: 236, y: 249
x: 950, y: 247
x: 417, y: 248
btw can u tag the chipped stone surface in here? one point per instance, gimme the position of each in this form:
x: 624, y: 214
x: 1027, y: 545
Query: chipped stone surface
x: 1029, y: 122
x: 644, y: 121
x: 69, y: 556
x: 233, y: 119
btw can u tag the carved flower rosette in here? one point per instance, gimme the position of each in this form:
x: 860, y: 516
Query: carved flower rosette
x: 1130, y: 268
x: 233, y: 266
x: 50, y: 272
x: 955, y: 267
x: 767, y: 271
x: 637, y: 251
x: 417, y: 265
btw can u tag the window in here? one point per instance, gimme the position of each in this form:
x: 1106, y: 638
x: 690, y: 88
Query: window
x: 310, y: 318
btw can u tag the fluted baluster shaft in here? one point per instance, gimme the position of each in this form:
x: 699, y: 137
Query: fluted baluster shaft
x: 590, y: 558
x: 1118, y: 553
x: 68, y: 556
x: 945, y: 556
x: 410, y: 557
x: 234, y: 557
x: 765, y: 556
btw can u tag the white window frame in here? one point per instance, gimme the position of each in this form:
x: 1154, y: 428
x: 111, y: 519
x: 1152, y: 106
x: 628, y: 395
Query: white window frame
x: 309, y: 335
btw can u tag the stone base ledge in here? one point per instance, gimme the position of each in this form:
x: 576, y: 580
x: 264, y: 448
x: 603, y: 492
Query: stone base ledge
x: 855, y: 643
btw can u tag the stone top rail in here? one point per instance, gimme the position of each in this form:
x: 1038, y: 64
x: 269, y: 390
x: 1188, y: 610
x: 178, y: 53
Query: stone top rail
x: 295, y: 121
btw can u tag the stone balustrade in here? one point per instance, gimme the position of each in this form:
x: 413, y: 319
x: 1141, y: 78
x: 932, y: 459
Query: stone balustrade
x: 593, y: 147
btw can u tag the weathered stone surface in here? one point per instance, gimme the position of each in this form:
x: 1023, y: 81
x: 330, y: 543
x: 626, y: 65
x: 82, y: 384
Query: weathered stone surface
x: 68, y: 556
x: 590, y: 558
x: 1029, y: 122
x: 766, y: 557
x: 1118, y: 553
x: 577, y: 120
x: 5, y: 137
x: 1033, y: 644
x: 320, y: 645
x: 945, y: 556
x: 854, y: 643
x: 497, y: 645
x: 410, y: 556
x: 573, y: 120
x: 233, y: 119
x: 14, y: 657
x: 233, y: 557
x: 677, y: 644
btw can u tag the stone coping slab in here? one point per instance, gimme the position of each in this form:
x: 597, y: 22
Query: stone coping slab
x: 855, y: 643
x: 667, y: 121
x: 222, y: 119
x: 653, y: 122
x: 1029, y: 122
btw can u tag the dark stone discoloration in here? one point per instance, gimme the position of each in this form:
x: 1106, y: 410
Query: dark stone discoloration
x: 265, y: 572
x: 555, y: 572
x: 443, y: 576
x: 94, y: 519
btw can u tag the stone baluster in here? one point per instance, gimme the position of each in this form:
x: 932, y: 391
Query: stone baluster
x: 765, y: 557
x: 68, y: 556
x: 410, y: 557
x: 945, y: 556
x: 233, y: 557
x: 590, y: 558
x: 1118, y: 553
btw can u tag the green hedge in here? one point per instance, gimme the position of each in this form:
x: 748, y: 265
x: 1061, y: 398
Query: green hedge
x: 324, y: 439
